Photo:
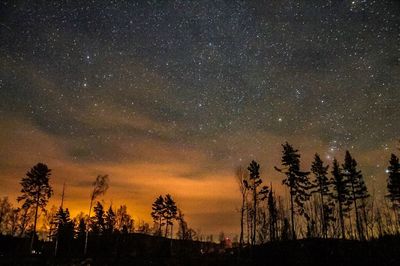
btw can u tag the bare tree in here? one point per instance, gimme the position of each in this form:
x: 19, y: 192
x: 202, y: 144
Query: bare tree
x: 48, y: 222
x: 257, y: 194
x: 123, y: 220
x: 242, y: 178
x: 100, y: 186
x: 5, y: 211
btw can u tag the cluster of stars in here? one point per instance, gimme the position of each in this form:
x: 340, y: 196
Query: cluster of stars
x: 191, y: 73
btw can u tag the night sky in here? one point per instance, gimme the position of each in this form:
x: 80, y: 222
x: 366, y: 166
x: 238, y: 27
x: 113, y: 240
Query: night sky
x: 172, y: 96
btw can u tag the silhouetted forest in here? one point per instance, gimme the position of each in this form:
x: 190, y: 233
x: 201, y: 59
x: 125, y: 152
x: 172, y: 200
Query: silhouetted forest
x: 325, y: 202
x: 329, y: 217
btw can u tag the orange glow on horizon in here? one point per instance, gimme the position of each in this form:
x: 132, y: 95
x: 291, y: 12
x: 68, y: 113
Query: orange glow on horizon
x: 206, y: 192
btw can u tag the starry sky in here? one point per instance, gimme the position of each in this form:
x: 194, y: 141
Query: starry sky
x: 172, y: 96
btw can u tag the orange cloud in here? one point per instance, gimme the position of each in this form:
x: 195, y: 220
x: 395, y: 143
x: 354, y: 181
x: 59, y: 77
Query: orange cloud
x: 204, y: 188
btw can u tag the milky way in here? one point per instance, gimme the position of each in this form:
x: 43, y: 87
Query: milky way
x: 189, y: 90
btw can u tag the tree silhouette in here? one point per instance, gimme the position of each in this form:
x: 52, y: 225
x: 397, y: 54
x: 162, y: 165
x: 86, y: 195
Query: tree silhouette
x: 123, y: 221
x: 296, y: 180
x: 249, y: 221
x: 64, y: 233
x: 252, y: 184
x: 184, y: 232
x: 340, y: 193
x: 36, y: 192
x: 346, y: 187
x: 242, y: 179
x: 158, y: 209
x: 182, y: 226
x: 358, y: 189
x: 24, y: 219
x: 100, y: 186
x: 321, y: 186
x: 164, y: 212
x: 48, y: 222
x: 97, y: 222
x: 285, y: 234
x: 273, y: 215
x: 81, y: 230
x: 109, y: 221
x: 14, y: 221
x: 170, y: 213
x: 5, y: 210
x: 393, y: 182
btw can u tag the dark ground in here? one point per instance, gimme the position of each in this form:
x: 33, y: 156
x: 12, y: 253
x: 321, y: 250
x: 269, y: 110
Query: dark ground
x: 136, y: 249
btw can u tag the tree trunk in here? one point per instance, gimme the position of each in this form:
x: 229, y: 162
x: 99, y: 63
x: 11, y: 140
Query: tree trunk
x: 323, y: 222
x: 292, y: 215
x: 241, y: 221
x: 358, y: 224
x: 87, y: 228
x: 22, y: 226
x: 396, y: 220
x: 159, y: 226
x: 351, y: 228
x: 166, y: 228
x: 34, y: 222
x: 365, y: 220
x: 248, y: 223
x: 341, y: 219
x: 254, y: 214
x: 379, y: 223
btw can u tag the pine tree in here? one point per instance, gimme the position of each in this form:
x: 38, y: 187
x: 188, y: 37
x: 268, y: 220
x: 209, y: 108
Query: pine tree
x: 81, y: 231
x: 296, y: 180
x: 273, y: 216
x: 109, y: 221
x: 97, y: 223
x: 252, y: 184
x: 393, y: 182
x: 60, y: 220
x: 358, y: 189
x: 64, y: 233
x: 36, y: 192
x: 321, y: 186
x: 170, y: 213
x: 340, y: 194
x: 158, y: 209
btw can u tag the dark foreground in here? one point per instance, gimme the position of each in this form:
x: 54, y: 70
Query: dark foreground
x: 146, y: 250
